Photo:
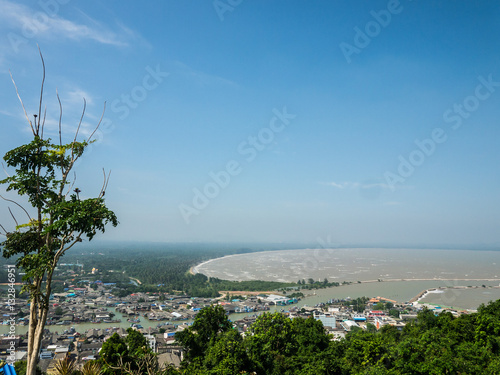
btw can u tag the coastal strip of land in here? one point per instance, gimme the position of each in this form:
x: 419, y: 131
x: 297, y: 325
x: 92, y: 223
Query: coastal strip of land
x: 194, y: 270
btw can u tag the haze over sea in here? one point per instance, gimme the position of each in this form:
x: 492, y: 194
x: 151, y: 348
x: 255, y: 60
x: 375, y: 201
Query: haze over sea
x: 410, y: 270
x: 355, y: 264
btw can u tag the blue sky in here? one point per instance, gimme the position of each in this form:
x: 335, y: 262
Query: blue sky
x: 372, y: 122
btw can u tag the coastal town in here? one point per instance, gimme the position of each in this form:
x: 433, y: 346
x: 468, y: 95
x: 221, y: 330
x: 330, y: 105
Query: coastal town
x: 159, y: 316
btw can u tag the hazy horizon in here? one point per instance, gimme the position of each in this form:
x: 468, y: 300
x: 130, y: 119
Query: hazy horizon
x: 270, y: 246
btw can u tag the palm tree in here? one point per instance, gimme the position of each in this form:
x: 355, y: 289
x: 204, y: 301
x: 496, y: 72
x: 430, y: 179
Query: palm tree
x: 66, y: 366
x: 91, y: 368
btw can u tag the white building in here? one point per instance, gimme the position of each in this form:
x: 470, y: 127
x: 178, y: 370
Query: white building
x: 349, y: 324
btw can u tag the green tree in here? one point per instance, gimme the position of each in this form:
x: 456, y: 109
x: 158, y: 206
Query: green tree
x: 371, y: 327
x: 129, y: 355
x: 227, y: 356
x: 66, y: 366
x: 91, y: 368
x: 136, y: 342
x: 58, y: 219
x: 379, y: 306
x: 394, y: 313
x: 210, y: 323
x: 280, y: 345
x: 113, y: 354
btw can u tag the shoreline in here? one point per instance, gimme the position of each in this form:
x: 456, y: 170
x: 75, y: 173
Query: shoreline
x: 194, y: 269
x: 418, y: 298
x: 307, y: 260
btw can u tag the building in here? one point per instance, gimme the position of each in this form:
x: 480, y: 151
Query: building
x: 327, y: 320
x: 348, y: 325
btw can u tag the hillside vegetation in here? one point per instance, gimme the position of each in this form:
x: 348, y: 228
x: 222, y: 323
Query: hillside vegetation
x: 274, y: 344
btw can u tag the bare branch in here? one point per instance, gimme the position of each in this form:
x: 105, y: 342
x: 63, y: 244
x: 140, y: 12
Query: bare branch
x: 98, y: 124
x: 72, y: 184
x: 104, y: 184
x: 103, y: 189
x: 107, y: 182
x: 43, y: 121
x: 17, y: 204
x: 63, y: 248
x: 41, y: 90
x: 60, y: 117
x: 22, y: 104
x: 11, y: 214
x: 5, y: 170
x: 1, y: 226
x: 81, y: 119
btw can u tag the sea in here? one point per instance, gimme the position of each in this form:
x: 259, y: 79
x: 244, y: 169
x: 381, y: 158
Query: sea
x: 467, y: 277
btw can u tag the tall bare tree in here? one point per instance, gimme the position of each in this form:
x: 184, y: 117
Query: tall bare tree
x: 57, y: 219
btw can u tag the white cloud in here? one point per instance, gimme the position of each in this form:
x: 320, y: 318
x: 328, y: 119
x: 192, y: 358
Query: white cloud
x: 356, y: 185
x: 24, y: 22
x: 76, y: 96
x: 201, y: 78
x: 6, y: 113
x: 392, y: 203
x: 342, y: 185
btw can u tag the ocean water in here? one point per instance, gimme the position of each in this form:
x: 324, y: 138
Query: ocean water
x: 398, y: 274
x: 355, y: 264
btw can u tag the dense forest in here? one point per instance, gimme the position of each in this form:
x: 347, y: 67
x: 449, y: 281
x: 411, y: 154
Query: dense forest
x: 164, y: 268
x: 277, y: 345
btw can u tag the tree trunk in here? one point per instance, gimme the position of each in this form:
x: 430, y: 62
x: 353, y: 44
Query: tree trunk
x: 32, y: 359
x: 38, y: 309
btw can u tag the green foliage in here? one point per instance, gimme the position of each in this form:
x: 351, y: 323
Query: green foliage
x: 394, y: 313
x: 136, y: 342
x: 275, y: 344
x: 371, y: 328
x: 41, y: 171
x: 379, y: 306
x: 210, y: 323
x: 129, y: 353
x: 114, y: 352
x: 227, y: 355
x: 91, y: 368
x: 20, y: 367
x: 66, y: 366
